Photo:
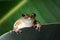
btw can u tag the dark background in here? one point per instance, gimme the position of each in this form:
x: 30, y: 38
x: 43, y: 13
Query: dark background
x: 47, y: 32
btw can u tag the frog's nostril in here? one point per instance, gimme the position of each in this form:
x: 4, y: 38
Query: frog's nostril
x: 29, y: 18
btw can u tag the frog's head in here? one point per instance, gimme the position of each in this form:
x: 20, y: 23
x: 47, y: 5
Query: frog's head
x: 29, y: 17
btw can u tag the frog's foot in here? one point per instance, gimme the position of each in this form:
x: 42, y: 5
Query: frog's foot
x: 20, y: 31
x: 17, y: 31
x: 38, y: 26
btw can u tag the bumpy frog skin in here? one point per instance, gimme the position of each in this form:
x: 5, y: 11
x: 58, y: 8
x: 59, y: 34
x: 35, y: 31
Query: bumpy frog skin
x: 27, y: 20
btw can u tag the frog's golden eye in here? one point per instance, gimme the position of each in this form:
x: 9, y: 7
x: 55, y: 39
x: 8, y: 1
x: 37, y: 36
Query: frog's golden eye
x: 23, y: 15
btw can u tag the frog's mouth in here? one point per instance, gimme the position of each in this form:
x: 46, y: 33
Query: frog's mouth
x: 28, y: 21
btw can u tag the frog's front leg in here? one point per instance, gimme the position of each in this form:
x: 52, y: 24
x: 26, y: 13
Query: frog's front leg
x: 37, y: 25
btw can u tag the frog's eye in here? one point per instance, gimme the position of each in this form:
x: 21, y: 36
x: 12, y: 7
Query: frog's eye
x: 23, y: 15
x: 33, y: 14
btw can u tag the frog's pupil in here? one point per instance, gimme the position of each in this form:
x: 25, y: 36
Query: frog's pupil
x: 23, y: 15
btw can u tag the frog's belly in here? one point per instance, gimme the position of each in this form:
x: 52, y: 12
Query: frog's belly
x: 20, y: 26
